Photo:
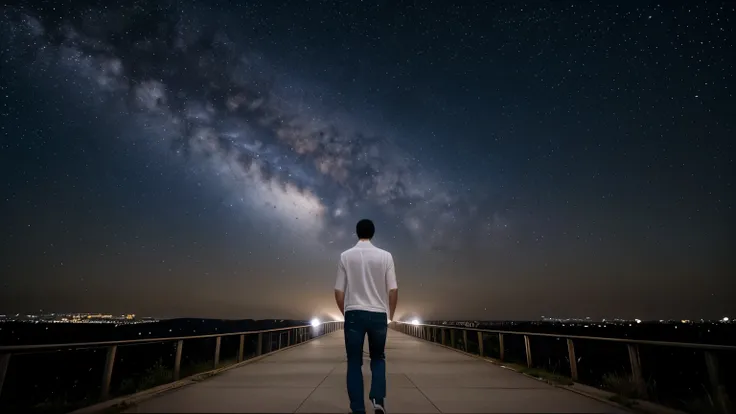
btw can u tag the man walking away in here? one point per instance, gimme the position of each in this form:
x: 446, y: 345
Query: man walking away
x: 366, y: 293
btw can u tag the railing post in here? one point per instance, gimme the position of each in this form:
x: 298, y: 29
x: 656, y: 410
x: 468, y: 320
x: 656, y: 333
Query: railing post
x: 636, y: 375
x: 528, y: 349
x: 500, y: 346
x: 218, y: 341
x: 107, y: 373
x: 452, y: 338
x: 281, y: 334
x: 288, y: 337
x: 177, y: 359
x: 241, y: 348
x: 443, y: 335
x: 4, y: 362
x: 719, y: 391
x: 480, y: 343
x: 259, y: 347
x: 573, y: 360
x: 465, y: 340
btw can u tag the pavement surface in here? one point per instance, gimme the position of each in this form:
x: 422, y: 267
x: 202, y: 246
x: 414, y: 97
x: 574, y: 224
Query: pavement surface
x: 422, y: 378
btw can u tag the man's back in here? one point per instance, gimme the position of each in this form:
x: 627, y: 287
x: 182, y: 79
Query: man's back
x: 366, y: 274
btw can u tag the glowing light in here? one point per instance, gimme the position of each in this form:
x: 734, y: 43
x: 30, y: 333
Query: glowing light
x: 315, y: 322
x: 415, y: 321
x: 725, y: 319
x: 638, y: 320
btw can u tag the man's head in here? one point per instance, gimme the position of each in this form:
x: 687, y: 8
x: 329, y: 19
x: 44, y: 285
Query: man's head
x: 365, y: 229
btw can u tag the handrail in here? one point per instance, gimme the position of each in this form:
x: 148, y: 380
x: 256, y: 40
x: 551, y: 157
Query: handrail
x: 300, y: 330
x: 429, y: 332
x: 711, y: 347
x: 77, y: 345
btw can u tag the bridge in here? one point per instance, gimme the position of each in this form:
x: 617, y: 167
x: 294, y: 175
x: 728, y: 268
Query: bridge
x: 430, y: 369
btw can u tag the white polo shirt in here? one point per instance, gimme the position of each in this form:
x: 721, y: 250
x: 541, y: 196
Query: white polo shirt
x: 366, y: 274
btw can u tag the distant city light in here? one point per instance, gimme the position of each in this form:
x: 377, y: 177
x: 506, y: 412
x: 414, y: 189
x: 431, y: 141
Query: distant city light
x: 725, y: 319
x: 315, y: 322
x: 638, y: 320
x: 415, y: 321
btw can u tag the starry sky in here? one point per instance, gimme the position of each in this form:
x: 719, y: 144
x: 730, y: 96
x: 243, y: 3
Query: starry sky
x: 211, y: 159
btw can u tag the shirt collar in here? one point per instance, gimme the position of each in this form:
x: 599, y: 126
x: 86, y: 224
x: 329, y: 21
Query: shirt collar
x: 364, y: 243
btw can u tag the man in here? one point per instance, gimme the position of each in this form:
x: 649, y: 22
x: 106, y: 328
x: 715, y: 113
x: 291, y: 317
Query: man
x: 366, y: 293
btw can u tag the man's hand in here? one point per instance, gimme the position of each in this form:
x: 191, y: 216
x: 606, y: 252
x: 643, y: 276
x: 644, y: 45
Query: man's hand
x: 340, y: 299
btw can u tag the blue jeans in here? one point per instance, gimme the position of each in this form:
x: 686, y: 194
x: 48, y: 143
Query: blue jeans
x: 357, y: 325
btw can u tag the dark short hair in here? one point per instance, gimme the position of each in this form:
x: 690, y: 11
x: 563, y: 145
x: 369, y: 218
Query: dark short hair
x: 365, y: 229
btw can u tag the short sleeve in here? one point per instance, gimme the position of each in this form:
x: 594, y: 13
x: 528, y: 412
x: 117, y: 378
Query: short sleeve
x: 391, y: 274
x: 342, y: 277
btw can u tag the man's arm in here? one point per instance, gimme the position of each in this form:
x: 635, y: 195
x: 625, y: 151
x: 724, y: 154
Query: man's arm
x: 393, y: 298
x: 340, y: 299
x: 342, y: 280
x: 393, y: 288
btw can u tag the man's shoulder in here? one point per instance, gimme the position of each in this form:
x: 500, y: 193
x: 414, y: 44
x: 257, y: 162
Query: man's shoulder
x: 347, y: 252
x: 384, y: 251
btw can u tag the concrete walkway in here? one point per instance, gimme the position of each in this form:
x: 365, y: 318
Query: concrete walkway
x: 422, y: 378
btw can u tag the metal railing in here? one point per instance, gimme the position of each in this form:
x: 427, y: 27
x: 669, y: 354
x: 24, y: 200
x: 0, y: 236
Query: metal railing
x: 430, y: 333
x: 295, y: 335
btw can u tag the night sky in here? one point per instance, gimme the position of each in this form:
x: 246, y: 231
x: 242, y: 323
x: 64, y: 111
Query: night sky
x: 211, y: 159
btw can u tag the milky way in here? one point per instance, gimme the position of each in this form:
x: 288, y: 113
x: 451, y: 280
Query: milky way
x: 215, y: 103
x: 213, y: 157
